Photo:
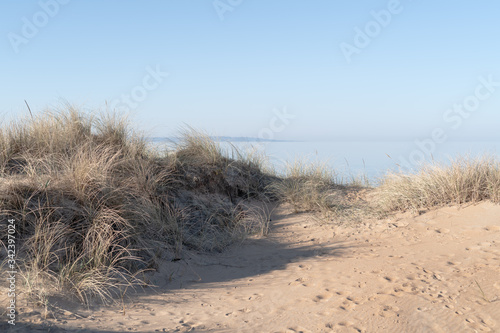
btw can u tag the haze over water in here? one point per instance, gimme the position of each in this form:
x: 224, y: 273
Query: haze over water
x: 372, y: 159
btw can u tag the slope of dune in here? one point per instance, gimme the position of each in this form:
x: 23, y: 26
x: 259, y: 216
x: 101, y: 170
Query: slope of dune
x: 437, y: 272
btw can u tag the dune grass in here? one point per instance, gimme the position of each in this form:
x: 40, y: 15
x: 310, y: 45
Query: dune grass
x: 314, y: 187
x: 94, y: 207
x: 304, y: 185
x: 463, y: 180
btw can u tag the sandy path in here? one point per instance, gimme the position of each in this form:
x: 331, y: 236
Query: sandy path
x: 405, y: 274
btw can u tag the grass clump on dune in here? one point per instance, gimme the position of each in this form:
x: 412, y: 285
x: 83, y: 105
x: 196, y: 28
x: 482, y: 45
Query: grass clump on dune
x: 205, y: 164
x: 62, y: 181
x: 94, y: 206
x: 314, y: 187
x: 464, y: 180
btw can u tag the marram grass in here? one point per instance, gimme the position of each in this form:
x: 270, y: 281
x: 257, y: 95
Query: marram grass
x: 463, y: 180
x: 95, y: 207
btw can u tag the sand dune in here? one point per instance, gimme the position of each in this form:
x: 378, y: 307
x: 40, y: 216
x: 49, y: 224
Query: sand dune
x: 437, y: 272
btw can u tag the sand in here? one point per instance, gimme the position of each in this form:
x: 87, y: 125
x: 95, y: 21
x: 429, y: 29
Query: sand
x: 437, y: 272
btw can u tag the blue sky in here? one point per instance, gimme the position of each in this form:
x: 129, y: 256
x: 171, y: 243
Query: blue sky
x: 233, y: 65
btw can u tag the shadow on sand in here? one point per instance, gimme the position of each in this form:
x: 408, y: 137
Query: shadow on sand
x: 237, y: 265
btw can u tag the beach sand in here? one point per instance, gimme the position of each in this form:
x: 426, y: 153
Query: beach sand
x: 436, y: 272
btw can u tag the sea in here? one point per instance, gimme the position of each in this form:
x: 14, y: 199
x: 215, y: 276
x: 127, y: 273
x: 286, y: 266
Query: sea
x: 361, y: 160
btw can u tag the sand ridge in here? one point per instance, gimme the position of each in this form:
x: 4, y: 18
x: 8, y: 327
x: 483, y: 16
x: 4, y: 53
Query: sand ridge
x: 437, y: 272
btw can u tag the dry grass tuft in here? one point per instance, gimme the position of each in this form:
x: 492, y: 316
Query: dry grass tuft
x: 464, y: 180
x: 204, y: 164
x: 314, y: 187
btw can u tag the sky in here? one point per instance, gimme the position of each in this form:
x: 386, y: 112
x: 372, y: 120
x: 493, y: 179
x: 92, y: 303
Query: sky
x: 287, y: 70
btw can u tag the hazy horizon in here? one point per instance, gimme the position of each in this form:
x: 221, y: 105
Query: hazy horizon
x: 339, y: 139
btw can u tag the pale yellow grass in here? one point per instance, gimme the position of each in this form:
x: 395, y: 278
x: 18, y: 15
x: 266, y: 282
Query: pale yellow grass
x: 463, y: 180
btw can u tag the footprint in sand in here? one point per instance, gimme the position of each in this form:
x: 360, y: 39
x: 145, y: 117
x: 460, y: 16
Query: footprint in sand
x: 350, y: 302
x: 478, y: 246
x: 492, y: 228
x: 487, y: 320
x: 305, y: 267
x: 255, y: 297
x: 330, y: 325
x: 388, y: 311
x: 477, y: 325
x: 346, y: 306
x: 296, y: 330
x: 389, y: 278
x: 413, y: 276
x: 300, y: 281
x: 345, y: 326
x: 322, y: 298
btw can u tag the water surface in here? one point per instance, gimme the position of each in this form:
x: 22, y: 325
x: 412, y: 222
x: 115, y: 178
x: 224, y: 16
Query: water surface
x: 372, y: 159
